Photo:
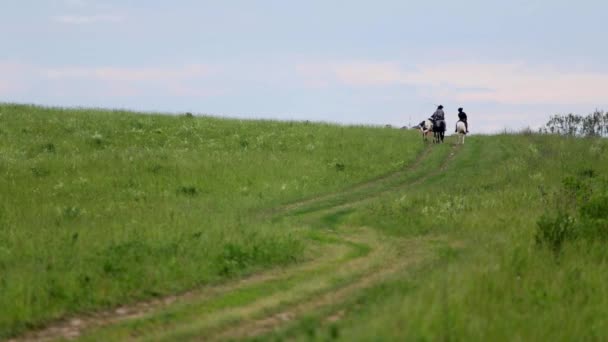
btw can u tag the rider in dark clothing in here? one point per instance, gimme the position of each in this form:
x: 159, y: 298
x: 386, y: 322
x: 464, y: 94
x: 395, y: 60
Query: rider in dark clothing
x: 462, y: 116
x: 439, y: 115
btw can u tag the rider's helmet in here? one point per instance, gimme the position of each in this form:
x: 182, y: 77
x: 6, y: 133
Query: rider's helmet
x: 440, y: 107
x: 460, y: 109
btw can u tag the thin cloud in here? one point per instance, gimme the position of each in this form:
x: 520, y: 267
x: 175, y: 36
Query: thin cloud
x: 350, y: 73
x: 185, y: 90
x: 13, y: 77
x: 76, y: 3
x: 138, y: 74
x: 88, y: 19
x: 186, y: 80
x: 508, y: 83
x: 5, y: 87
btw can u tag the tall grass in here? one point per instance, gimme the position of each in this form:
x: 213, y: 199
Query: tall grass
x: 497, y: 282
x: 100, y: 208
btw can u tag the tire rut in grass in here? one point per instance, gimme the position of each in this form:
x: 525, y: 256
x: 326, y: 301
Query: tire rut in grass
x: 274, y: 320
x: 345, y: 206
x: 310, y: 286
x: 272, y: 309
x: 367, y: 185
x: 340, y: 250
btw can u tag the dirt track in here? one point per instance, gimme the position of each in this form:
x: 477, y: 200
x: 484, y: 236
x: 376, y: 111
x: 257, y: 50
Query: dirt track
x: 356, y: 259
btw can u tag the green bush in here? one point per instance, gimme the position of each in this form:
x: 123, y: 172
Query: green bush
x: 553, y: 231
x: 580, y: 210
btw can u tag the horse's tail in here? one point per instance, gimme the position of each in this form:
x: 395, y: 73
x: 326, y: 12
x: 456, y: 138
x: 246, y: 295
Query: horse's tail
x: 439, y: 126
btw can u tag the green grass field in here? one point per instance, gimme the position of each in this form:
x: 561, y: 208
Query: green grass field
x: 99, y: 208
x: 498, y: 283
x: 277, y: 230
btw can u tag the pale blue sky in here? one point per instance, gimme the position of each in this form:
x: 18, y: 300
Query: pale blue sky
x: 508, y: 63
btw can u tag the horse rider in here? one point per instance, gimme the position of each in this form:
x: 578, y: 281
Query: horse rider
x: 462, y: 116
x: 439, y: 115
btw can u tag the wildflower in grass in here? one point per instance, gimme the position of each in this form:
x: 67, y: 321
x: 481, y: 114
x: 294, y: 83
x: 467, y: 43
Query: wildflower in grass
x: 71, y: 212
x: 537, y: 177
x: 97, y: 139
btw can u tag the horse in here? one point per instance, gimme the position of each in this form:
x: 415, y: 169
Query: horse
x: 461, y: 129
x: 426, y: 127
x: 438, y: 131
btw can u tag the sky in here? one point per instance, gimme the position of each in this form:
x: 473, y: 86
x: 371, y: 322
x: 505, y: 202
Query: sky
x: 509, y: 64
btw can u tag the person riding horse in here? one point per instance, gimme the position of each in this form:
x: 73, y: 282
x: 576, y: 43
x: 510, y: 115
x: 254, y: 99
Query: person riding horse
x: 462, y: 116
x: 438, y: 119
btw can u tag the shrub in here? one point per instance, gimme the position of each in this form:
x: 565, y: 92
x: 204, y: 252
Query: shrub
x: 595, y: 207
x: 553, y: 231
x: 49, y: 148
x: 579, y: 211
x: 257, y: 250
x: 187, y: 190
x: 594, y: 218
x: 98, y: 140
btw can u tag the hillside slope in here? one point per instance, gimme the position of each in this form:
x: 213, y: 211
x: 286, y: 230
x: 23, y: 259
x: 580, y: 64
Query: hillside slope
x: 102, y: 208
x: 527, y: 218
x: 500, y: 239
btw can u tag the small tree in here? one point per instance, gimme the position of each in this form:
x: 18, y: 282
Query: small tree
x: 592, y: 125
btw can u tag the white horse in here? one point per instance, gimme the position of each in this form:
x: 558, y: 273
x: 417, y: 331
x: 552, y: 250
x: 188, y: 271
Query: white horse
x: 461, y: 130
x: 426, y: 127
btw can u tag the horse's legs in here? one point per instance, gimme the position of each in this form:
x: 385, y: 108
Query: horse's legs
x: 461, y: 138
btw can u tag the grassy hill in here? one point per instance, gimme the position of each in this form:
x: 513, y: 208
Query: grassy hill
x: 296, y: 230
x: 99, y: 208
x: 528, y: 216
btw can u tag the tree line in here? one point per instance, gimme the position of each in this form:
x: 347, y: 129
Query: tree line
x: 591, y: 125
